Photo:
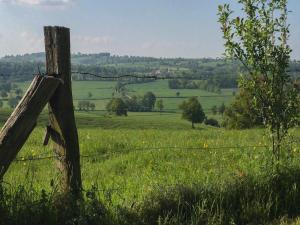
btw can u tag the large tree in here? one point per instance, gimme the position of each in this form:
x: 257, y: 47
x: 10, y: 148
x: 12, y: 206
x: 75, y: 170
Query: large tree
x: 192, y: 111
x: 258, y: 39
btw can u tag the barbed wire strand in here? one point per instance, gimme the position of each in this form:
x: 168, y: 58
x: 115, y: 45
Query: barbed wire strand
x: 128, y: 150
x: 153, y: 77
x: 37, y: 158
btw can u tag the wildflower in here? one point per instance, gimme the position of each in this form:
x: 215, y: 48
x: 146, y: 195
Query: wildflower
x: 240, y: 174
x: 205, y: 145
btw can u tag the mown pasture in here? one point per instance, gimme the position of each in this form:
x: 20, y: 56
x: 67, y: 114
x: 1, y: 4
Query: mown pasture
x: 102, y: 91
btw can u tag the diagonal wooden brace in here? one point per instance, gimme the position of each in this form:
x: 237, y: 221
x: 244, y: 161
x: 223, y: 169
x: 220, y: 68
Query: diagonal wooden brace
x: 47, y: 136
x: 53, y: 134
x: 23, y: 120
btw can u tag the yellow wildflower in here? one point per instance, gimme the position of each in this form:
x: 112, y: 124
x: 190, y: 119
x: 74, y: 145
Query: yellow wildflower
x: 240, y: 174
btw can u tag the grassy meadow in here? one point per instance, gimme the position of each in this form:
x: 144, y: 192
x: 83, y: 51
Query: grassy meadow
x: 152, y: 168
x: 102, y: 91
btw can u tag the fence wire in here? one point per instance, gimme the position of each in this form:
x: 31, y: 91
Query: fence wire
x: 128, y: 150
x: 125, y: 76
x: 138, y: 149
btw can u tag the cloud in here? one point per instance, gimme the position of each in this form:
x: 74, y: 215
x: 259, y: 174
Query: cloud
x: 21, y: 42
x: 166, y: 45
x: 39, y: 2
x: 103, y: 40
x: 33, y: 41
x: 171, y: 48
x: 93, y: 43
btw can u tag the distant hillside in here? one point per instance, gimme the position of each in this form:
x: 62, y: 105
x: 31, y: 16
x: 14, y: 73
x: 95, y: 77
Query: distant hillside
x: 34, y: 57
x: 40, y: 57
x: 222, y: 73
x: 79, y: 58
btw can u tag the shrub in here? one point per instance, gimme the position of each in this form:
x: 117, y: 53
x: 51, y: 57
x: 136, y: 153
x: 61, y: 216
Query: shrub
x: 117, y: 106
x: 211, y: 122
x: 86, y: 105
x: 241, y: 114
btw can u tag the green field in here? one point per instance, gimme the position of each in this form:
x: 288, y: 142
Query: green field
x: 103, y: 90
x: 152, y: 168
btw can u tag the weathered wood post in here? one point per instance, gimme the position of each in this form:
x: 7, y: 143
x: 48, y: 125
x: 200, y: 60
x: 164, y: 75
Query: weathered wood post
x: 23, y: 120
x: 61, y: 110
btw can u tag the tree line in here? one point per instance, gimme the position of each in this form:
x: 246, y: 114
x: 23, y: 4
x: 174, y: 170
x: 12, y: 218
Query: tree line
x: 207, y: 85
x: 145, y: 103
x: 220, y: 73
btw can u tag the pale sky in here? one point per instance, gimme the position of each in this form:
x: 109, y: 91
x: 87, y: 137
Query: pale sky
x: 159, y: 28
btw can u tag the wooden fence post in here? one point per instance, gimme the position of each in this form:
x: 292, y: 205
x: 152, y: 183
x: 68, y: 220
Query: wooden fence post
x: 23, y: 120
x: 61, y: 109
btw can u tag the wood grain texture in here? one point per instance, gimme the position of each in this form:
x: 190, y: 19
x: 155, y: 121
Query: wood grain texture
x: 23, y: 120
x: 61, y: 109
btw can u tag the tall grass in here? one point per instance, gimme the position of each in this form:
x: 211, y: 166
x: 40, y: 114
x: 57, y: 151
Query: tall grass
x: 162, y: 175
x: 244, y: 200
